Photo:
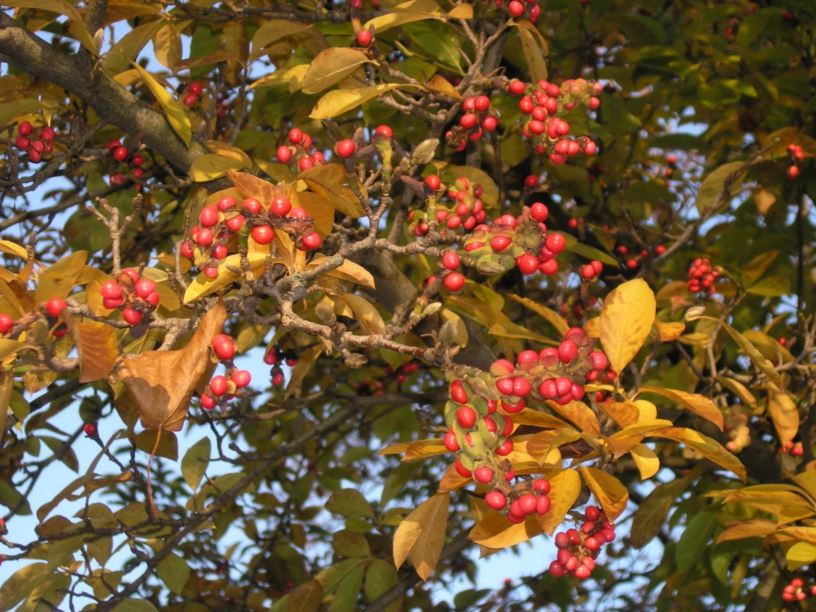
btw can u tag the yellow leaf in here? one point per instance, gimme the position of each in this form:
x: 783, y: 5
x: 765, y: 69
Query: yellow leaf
x: 229, y: 271
x: 365, y: 313
x: 626, y: 320
x: 739, y: 389
x: 621, y: 442
x: 747, y: 529
x: 440, y: 84
x: 646, y: 461
x: 273, y: 30
x: 496, y: 532
x: 128, y: 47
x: 319, y: 208
x: 227, y: 150
x: 709, y: 448
x: 801, y: 553
x: 805, y: 534
x: 461, y: 11
x: 418, y: 449
x: 96, y: 345
x: 406, y: 12
x: 578, y: 413
x: 669, y: 331
x: 339, y: 101
x: 12, y: 248
x: 534, y: 50
x: 537, y: 418
x: 162, y: 382
x: 167, y: 46
x: 698, y: 404
x: 328, y: 181
x: 292, y: 75
x: 348, y: 271
x: 593, y: 327
x: 784, y: 414
x: 807, y: 480
x: 565, y: 488
x: 768, y: 346
x: 59, y: 279
x: 173, y: 109
x: 623, y: 413
x: 421, y: 535
x: 543, y: 446
x: 76, y: 24
x: 764, y: 199
x: 608, y: 490
x: 210, y: 167
x: 331, y: 66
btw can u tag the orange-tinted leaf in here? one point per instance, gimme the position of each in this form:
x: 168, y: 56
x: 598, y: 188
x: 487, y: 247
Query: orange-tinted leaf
x: 626, y: 320
x: 59, y: 279
x: 646, y: 461
x: 747, y: 529
x: 331, y: 66
x: 97, y: 347
x: 669, y: 331
x: 607, y: 489
x: 496, y: 532
x: 698, y: 404
x: 709, y: 448
x: 162, y: 382
x: 623, y: 413
x: 421, y: 535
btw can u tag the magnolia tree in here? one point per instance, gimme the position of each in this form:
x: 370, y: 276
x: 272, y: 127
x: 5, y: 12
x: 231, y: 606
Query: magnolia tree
x: 507, y: 271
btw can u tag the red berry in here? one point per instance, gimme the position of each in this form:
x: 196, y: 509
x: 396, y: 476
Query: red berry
x: 224, y: 346
x: 111, y: 289
x: 280, y: 206
x: 55, y: 306
x: 226, y: 203
x: 541, y: 486
x: 516, y: 87
x: 793, y: 172
x: 461, y: 469
x: 120, y: 153
x: 25, y: 128
x: 593, y: 513
x: 144, y: 287
x: 466, y: 417
x: 567, y: 351
x: 451, y: 443
x: 527, y: 263
x: 454, y: 281
x: 500, y: 242
x: 22, y: 142
x: 521, y: 386
x: 132, y: 316
x: 450, y: 260
x: 469, y: 120
x: 345, y: 148
x: 483, y: 474
x: 234, y: 224
x: 241, y: 378
x: 527, y: 503
x: 6, y: 323
x: 555, y: 243
x: 263, y: 234
x: 543, y: 505
x: 89, y: 429
x: 219, y: 385
x: 505, y: 448
x: 252, y: 206
x: 311, y: 241
x: 204, y: 237
x: 515, y: 8
x: 496, y: 500
x: 384, y: 131
x: 364, y: 38
x: 490, y: 123
x: 295, y: 136
x: 190, y: 99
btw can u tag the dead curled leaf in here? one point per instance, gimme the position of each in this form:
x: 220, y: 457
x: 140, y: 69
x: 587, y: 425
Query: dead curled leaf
x: 162, y: 382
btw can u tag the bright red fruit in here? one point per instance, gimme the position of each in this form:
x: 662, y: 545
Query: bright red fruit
x: 466, y: 417
x: 450, y: 260
x: 252, y: 206
x: 219, y: 385
x: 55, y: 306
x: 241, y: 378
x: 224, y: 346
x: 263, y: 234
x: 496, y: 500
x: 120, y: 153
x: 311, y: 241
x: 454, y: 281
x: 280, y: 206
x: 144, y: 287
x: 6, y: 323
x: 345, y: 148
x: 483, y: 474
x: 132, y: 316
x: 364, y: 38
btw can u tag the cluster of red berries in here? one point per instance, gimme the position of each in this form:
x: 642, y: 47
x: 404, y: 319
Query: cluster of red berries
x: 478, y: 118
x: 300, y: 149
x: 465, y: 211
x: 702, y: 276
x: 133, y: 163
x: 480, y: 421
x: 632, y: 258
x: 791, y: 448
x: 542, y: 102
x: 671, y: 161
x: 365, y: 38
x: 137, y: 296
x: 797, y: 155
x: 224, y: 388
x: 219, y: 223
x: 578, y: 549
x: 37, y: 142
x: 552, y: 372
x: 275, y: 357
x: 796, y: 590
x: 404, y: 371
x: 529, y: 9
x: 194, y: 91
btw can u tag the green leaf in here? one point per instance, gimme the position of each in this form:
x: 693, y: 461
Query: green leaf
x: 535, y: 49
x: 128, y: 47
x: 135, y: 605
x: 717, y: 187
x: 350, y: 544
x: 195, y: 462
x: 345, y: 597
x: 349, y: 503
x: 173, y: 109
x: 174, y: 572
x: 339, y: 101
x: 331, y: 66
x: 379, y: 579
x: 771, y: 286
x: 694, y: 540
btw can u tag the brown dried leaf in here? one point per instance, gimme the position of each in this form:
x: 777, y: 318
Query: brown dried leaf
x: 162, y: 382
x: 97, y: 347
